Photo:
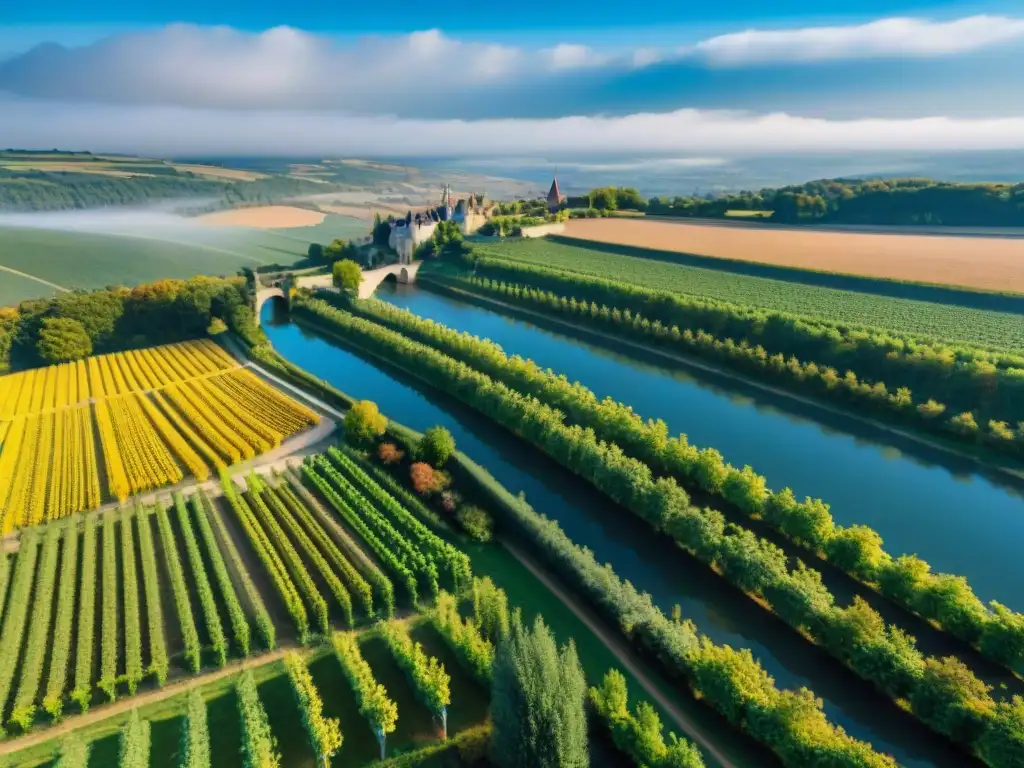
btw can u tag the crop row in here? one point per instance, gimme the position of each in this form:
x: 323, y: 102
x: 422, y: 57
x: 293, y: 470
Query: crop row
x: 50, y: 621
x: 360, y: 572
x: 372, y: 697
x: 917, y: 318
x: 305, y: 544
x: 454, y: 562
x: 146, y: 436
x: 353, y: 520
x: 941, y: 598
x: 268, y: 557
x: 120, y: 373
x: 964, y: 379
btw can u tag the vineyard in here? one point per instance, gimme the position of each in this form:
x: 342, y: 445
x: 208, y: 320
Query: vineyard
x: 999, y: 330
x: 105, y: 605
x: 112, y: 426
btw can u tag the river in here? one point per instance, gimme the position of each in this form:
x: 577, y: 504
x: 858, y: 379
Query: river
x: 651, y: 562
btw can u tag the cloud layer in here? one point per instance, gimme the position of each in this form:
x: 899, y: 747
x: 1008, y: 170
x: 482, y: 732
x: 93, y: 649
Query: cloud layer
x: 899, y: 84
x: 897, y: 38
x: 184, y: 131
x: 286, y: 68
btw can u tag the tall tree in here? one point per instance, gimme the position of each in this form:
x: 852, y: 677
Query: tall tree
x: 537, y: 701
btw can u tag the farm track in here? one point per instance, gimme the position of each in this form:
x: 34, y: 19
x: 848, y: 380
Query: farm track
x: 27, y: 276
x: 104, y: 711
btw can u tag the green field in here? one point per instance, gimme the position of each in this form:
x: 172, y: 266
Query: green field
x: 75, y: 259
x: 999, y: 330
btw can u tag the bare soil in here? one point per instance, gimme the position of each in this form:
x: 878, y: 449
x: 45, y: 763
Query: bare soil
x: 989, y: 263
x: 264, y: 217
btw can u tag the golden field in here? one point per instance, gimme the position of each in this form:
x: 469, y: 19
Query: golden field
x: 989, y: 263
x: 129, y: 422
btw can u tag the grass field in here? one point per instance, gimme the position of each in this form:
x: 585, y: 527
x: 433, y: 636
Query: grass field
x: 992, y: 264
x: 1000, y: 330
x: 128, y: 254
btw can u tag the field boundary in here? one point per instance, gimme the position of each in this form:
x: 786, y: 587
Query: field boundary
x: 933, y: 293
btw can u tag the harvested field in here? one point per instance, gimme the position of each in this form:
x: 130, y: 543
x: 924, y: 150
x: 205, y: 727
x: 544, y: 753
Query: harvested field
x: 265, y: 217
x: 215, y: 172
x: 989, y: 263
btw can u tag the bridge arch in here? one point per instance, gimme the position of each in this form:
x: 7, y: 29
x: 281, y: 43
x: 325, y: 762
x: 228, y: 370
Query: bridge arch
x: 263, y: 295
x: 372, y: 278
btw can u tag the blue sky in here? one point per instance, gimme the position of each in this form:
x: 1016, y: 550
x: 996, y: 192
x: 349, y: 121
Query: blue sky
x: 688, y: 80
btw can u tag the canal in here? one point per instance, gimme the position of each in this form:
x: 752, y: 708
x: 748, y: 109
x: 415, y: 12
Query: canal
x: 651, y: 562
x: 922, y: 502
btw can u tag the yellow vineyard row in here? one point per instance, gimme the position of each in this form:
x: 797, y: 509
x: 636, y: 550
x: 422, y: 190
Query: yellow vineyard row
x: 119, y: 373
x: 50, y: 461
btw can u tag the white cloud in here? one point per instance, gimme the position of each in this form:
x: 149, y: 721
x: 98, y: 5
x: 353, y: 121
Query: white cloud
x: 180, y: 131
x: 286, y: 68
x: 281, y: 67
x: 896, y: 38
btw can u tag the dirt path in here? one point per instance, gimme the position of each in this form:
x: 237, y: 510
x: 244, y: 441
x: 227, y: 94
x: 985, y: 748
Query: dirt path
x: 618, y: 650
x: 27, y: 276
x: 102, y: 712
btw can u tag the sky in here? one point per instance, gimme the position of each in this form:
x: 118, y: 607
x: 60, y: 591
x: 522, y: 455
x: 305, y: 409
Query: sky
x: 696, y: 83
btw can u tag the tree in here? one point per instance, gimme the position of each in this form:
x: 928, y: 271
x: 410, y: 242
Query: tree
x: 62, y: 339
x: 364, y: 422
x: 389, y: 453
x: 315, y: 252
x: 347, y: 275
x: 436, y: 446
x: 537, y: 701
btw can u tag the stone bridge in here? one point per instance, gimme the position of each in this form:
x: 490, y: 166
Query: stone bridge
x: 265, y: 294
x: 404, y: 273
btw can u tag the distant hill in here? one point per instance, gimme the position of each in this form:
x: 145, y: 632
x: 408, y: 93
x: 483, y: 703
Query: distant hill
x: 54, y: 181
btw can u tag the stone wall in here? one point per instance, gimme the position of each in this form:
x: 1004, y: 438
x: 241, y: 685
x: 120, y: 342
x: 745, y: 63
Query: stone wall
x: 541, y: 230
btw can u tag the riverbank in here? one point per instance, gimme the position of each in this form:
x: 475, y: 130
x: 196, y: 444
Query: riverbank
x: 645, y: 560
x: 984, y: 461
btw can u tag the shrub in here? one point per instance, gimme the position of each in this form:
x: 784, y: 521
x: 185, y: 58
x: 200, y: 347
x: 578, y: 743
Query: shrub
x: 435, y: 447
x: 364, y: 422
x: 389, y: 453
x: 424, y: 478
x: 347, y: 275
x: 475, y: 522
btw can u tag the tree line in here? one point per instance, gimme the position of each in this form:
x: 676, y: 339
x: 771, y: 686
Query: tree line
x: 857, y: 635
x: 940, y: 692
x: 922, y: 202
x: 943, y: 599
x: 989, y: 384
x: 804, y: 376
x: 74, y: 325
